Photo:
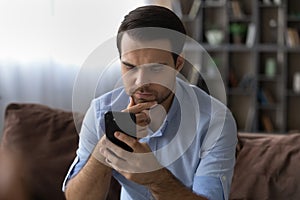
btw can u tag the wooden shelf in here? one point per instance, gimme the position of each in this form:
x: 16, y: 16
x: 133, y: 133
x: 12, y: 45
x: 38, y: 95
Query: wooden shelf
x: 293, y: 49
x: 268, y: 107
x: 264, y: 78
x: 293, y: 18
x: 213, y: 4
x: 244, y: 19
x: 239, y: 47
x: 220, y: 47
x: 269, y: 47
x: 291, y: 93
x: 239, y: 63
x: 271, y: 5
x: 240, y: 91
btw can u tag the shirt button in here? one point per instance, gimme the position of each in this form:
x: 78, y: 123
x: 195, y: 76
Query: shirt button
x: 224, y: 178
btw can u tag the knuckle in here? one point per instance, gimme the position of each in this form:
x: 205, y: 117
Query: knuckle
x: 141, y: 117
x: 138, y: 116
x: 144, y: 115
x: 140, y: 106
x: 134, y: 144
x: 129, y: 140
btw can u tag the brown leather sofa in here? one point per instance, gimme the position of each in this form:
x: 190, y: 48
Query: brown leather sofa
x: 39, y: 144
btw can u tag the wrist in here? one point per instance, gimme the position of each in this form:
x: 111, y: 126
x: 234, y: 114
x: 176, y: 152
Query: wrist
x: 161, y: 176
x: 94, y: 166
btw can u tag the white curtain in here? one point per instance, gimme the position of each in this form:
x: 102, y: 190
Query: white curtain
x: 44, y: 82
x: 68, y: 31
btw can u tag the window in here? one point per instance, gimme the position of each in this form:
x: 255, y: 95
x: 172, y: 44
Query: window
x: 63, y: 30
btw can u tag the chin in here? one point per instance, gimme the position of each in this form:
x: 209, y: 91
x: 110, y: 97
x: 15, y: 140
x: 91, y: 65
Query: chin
x: 143, y: 100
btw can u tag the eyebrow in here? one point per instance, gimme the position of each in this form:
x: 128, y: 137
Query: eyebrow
x: 128, y: 64
x: 132, y: 65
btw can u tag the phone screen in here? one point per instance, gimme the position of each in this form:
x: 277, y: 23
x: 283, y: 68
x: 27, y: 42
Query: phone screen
x: 124, y: 122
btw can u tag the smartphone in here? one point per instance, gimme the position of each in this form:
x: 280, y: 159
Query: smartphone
x: 124, y: 122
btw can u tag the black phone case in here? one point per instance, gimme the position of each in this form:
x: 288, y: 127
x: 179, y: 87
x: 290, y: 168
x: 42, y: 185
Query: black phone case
x: 120, y: 121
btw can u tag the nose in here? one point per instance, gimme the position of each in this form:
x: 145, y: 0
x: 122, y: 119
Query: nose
x: 142, y: 77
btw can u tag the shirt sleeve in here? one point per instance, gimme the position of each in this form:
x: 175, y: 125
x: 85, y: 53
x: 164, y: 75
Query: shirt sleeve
x: 217, y: 158
x: 87, y: 141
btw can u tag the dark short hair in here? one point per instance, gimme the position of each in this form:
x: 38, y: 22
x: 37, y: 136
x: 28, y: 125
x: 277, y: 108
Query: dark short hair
x: 156, y: 17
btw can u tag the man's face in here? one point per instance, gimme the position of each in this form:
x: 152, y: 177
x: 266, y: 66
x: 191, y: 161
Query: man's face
x: 148, y: 73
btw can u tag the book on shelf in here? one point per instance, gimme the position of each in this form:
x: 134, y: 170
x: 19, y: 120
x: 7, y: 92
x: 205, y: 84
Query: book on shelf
x: 265, y: 97
x: 182, y: 11
x: 236, y: 10
x: 267, y: 123
x: 251, y: 32
x: 164, y: 3
x: 247, y: 81
x: 292, y: 37
x: 177, y: 8
x: 214, y: 2
x: 250, y: 120
x: 233, y: 82
x: 194, y: 9
x: 267, y: 2
x: 268, y: 95
x: 193, y: 76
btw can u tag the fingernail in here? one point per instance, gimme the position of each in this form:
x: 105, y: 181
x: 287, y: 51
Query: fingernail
x: 117, y: 134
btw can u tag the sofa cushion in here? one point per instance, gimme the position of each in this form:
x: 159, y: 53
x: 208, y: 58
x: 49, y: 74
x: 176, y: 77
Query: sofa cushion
x: 267, y: 167
x: 38, y: 146
x: 44, y: 141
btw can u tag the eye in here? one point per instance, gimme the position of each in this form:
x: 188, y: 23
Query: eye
x: 129, y: 67
x: 157, y: 68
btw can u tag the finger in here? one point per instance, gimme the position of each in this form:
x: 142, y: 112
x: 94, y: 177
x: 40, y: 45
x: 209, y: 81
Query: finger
x: 97, y: 153
x: 131, y: 102
x: 112, y: 160
x: 142, y: 131
x: 115, y: 149
x: 142, y: 119
x: 130, y: 141
x: 140, y: 107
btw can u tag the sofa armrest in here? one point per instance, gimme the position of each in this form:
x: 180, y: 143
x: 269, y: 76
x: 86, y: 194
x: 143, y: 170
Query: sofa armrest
x: 267, y: 167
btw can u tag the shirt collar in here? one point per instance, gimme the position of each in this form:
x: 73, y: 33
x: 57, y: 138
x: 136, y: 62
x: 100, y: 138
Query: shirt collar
x: 157, y: 133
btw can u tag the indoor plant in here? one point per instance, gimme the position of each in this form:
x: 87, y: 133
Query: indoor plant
x: 238, y: 31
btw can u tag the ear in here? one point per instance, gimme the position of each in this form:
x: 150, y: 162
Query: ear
x: 179, y: 62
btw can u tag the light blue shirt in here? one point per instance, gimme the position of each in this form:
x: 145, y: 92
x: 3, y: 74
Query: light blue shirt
x: 196, y: 142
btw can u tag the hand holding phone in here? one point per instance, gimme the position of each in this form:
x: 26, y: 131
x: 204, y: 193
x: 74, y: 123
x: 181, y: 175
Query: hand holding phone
x: 124, y: 122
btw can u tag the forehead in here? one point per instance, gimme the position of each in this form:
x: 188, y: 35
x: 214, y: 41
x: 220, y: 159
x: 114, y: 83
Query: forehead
x: 129, y: 44
x: 147, y: 56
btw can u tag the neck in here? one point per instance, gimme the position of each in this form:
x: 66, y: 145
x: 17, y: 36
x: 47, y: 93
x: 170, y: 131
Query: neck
x: 157, y: 116
x: 166, y: 103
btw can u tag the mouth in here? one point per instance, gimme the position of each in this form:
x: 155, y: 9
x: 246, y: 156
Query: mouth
x: 148, y: 96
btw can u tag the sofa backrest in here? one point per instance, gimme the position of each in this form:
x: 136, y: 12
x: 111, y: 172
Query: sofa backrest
x: 39, y: 143
x: 267, y: 167
x: 44, y: 141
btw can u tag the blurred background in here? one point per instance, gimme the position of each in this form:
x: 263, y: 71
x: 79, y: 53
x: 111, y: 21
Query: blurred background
x: 43, y: 44
x: 253, y: 44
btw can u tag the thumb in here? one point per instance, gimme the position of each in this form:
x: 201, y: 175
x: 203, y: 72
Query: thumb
x: 131, y: 102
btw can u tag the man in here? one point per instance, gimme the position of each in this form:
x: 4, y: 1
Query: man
x: 185, y: 144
